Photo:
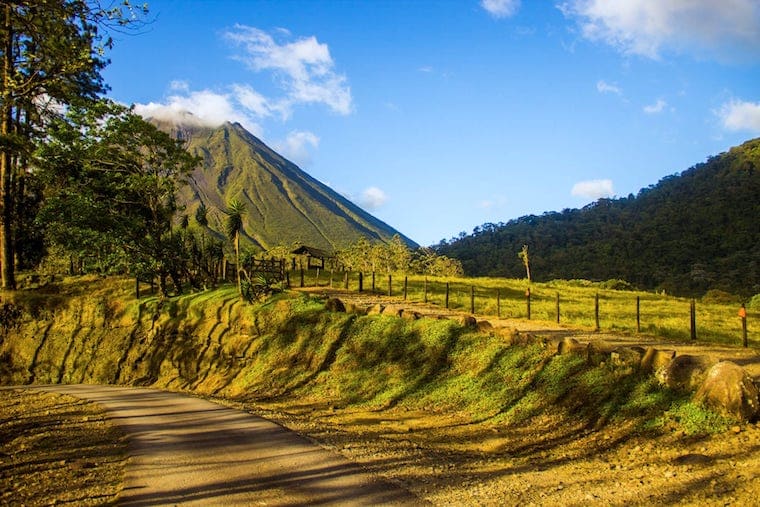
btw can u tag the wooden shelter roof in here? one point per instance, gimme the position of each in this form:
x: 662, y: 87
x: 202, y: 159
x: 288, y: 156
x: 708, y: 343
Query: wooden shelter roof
x: 311, y: 252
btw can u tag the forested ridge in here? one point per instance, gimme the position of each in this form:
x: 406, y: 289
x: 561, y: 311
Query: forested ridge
x: 689, y: 233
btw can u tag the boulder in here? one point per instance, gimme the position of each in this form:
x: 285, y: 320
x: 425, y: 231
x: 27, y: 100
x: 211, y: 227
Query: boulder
x: 484, y: 326
x: 356, y: 310
x: 408, y: 314
x: 685, y: 372
x: 655, y: 359
x: 570, y: 345
x: 335, y: 305
x: 467, y: 321
x: 376, y: 309
x: 730, y: 389
x: 507, y: 333
x: 518, y: 338
x: 393, y: 310
x: 627, y: 356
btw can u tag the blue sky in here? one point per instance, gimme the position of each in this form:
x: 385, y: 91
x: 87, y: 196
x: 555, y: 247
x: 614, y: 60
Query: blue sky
x: 439, y: 116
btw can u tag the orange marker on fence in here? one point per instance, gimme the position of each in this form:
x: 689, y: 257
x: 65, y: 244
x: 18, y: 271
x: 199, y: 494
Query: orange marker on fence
x: 743, y: 312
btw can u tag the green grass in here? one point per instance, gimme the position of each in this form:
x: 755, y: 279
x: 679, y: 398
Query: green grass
x: 692, y: 419
x: 660, y: 315
x: 290, y: 347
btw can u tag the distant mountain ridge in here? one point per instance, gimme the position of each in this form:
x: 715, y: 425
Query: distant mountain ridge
x: 691, y: 232
x: 284, y: 205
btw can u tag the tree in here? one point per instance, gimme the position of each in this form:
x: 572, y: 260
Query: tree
x: 398, y: 254
x: 51, y: 53
x: 233, y: 225
x: 523, y: 255
x: 111, y: 183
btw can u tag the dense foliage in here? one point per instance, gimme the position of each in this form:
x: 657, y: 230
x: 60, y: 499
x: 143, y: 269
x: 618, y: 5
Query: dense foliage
x: 689, y: 233
x: 110, y: 183
x: 395, y: 256
x: 52, y: 54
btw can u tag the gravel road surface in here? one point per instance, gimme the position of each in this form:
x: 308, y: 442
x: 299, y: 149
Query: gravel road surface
x: 189, y: 451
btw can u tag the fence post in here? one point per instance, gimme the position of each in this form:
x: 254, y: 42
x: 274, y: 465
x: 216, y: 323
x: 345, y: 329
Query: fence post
x: 361, y: 282
x: 638, y: 314
x: 406, y: 283
x: 743, y: 315
x: 498, y: 303
x: 472, y: 299
x: 302, y: 277
x: 287, y: 279
x: 447, y: 295
x: 527, y: 299
x: 426, y: 281
x: 373, y: 281
x: 390, y: 286
x: 557, y: 307
x: 345, y: 280
x: 316, y: 280
x: 693, y: 319
x: 596, y: 310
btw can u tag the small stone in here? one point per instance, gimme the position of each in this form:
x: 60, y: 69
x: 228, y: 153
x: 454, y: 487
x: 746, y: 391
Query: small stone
x: 736, y: 429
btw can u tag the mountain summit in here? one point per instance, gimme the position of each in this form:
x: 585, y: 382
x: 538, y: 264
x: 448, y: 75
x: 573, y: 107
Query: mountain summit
x: 284, y: 205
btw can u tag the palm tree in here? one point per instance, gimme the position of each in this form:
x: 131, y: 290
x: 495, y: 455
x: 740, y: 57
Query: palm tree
x: 233, y: 226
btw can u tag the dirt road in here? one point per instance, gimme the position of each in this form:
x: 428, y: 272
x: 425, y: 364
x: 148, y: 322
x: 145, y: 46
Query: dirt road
x: 186, y: 450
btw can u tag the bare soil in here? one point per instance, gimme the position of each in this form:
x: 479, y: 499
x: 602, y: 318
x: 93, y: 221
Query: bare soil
x: 450, y: 461
x: 57, y: 449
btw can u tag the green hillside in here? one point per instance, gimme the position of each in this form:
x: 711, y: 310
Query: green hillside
x: 689, y: 233
x: 284, y: 205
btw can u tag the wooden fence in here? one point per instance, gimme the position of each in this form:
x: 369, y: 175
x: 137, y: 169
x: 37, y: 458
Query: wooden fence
x: 624, y: 311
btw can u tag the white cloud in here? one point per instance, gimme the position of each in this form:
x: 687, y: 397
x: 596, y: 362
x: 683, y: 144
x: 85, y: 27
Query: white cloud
x: 372, y: 198
x: 655, y: 108
x: 205, y: 107
x: 725, y: 30
x: 740, y: 115
x: 296, y: 147
x: 304, y: 66
x: 252, y: 100
x: 501, y: 8
x: 604, y: 87
x: 179, y: 86
x: 593, y: 189
x: 496, y: 202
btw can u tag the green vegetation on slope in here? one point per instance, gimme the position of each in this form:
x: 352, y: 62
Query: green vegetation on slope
x: 689, y: 233
x: 290, y: 346
x: 285, y: 205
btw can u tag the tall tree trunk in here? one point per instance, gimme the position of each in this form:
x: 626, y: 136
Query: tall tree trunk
x: 6, y: 159
x: 237, y: 264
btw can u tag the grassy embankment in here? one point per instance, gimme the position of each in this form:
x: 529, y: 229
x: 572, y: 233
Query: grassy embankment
x: 660, y: 315
x: 291, y: 349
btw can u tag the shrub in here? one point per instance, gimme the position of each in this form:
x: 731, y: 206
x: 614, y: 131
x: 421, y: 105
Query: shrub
x: 616, y: 284
x: 754, y: 302
x: 720, y: 297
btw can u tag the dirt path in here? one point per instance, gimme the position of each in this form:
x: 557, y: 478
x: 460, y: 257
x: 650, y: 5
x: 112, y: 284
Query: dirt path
x: 186, y: 450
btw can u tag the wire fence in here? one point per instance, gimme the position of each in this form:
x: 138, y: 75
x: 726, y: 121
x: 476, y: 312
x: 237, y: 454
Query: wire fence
x: 588, y: 307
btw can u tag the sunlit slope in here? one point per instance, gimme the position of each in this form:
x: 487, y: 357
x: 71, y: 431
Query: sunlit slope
x: 284, y: 205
